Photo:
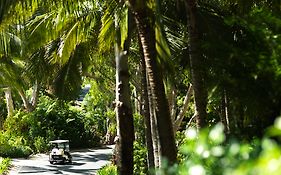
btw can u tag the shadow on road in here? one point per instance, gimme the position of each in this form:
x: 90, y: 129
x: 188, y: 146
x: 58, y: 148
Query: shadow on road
x: 89, y: 157
x: 56, y: 170
x: 84, y: 162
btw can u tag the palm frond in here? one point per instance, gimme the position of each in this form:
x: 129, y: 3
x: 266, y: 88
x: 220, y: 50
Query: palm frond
x: 162, y: 45
x: 67, y: 44
x: 107, y: 32
x: 10, y: 73
x: 70, y: 29
x: 68, y: 82
x: 16, y: 11
x: 9, y: 43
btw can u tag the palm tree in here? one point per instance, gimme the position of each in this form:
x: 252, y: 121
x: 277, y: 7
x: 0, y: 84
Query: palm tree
x: 124, y: 116
x: 12, y: 77
x: 145, y: 112
x: 9, y: 101
x: 74, y: 27
x: 11, y: 47
x: 196, y: 64
x: 145, y: 24
x: 59, y: 41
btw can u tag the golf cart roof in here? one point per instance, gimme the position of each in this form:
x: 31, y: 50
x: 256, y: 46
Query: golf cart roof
x: 59, y: 141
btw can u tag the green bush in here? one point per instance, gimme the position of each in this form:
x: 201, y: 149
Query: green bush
x: 53, y: 119
x: 140, y: 161
x: 15, y: 151
x: 13, y: 146
x: 4, y: 165
x: 208, y: 153
x: 108, y: 170
x: 41, y: 144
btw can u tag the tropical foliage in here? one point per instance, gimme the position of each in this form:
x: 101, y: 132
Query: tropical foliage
x: 154, y: 68
x: 208, y: 152
x: 52, y: 119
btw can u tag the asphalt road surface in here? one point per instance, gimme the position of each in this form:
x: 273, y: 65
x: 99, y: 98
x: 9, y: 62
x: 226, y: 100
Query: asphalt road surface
x: 84, y: 162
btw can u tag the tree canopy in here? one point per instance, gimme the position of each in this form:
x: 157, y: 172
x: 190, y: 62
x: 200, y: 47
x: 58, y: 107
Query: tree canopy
x: 154, y: 68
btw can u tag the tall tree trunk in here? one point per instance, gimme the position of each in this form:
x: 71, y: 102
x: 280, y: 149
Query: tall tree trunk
x: 172, y: 102
x: 136, y: 99
x: 124, y: 114
x: 224, y: 112
x: 145, y: 24
x: 9, y: 101
x: 154, y: 131
x: 28, y: 107
x: 145, y: 112
x: 35, y: 94
x: 196, y: 64
x: 183, y: 110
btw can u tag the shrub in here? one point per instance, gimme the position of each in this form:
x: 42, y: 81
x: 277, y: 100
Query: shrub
x: 108, y: 170
x: 13, y: 146
x: 15, y: 151
x: 207, y: 153
x: 4, y: 165
x: 53, y: 119
x: 140, y: 161
x: 41, y: 145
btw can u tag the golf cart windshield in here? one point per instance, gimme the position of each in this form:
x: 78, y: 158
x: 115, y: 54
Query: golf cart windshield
x: 61, y: 144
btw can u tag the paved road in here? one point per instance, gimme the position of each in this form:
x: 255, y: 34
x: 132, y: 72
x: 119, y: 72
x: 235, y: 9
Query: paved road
x: 84, y: 162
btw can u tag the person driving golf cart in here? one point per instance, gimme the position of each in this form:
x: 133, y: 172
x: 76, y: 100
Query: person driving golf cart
x: 60, y: 152
x: 55, y: 150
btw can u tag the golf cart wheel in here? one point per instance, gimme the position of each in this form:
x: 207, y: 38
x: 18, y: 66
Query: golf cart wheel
x: 64, y: 161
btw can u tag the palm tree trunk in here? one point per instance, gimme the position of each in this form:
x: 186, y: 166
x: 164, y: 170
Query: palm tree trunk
x: 183, y: 110
x: 227, y: 112
x: 26, y: 104
x: 224, y: 112
x: 154, y: 131
x: 172, y: 102
x: 125, y: 125
x: 196, y: 64
x: 9, y: 101
x: 146, y: 113
x: 35, y: 94
x: 146, y: 32
x: 136, y: 101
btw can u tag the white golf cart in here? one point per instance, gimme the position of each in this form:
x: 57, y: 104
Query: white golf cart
x: 60, y: 152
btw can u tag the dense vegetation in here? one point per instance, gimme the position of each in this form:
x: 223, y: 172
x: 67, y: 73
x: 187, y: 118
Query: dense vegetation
x: 155, y: 69
x: 208, y: 152
x: 25, y: 133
